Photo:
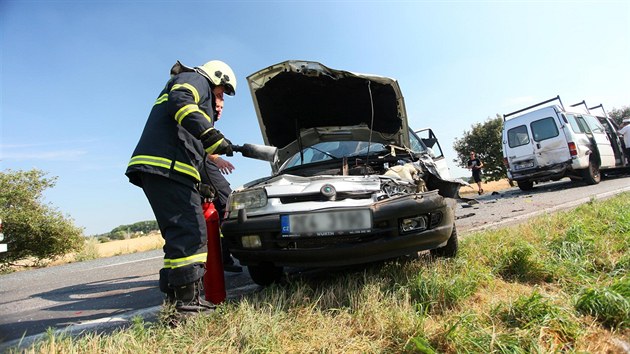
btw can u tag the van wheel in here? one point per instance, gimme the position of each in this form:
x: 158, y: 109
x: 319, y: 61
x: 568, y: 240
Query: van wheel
x: 591, y: 173
x: 265, y: 273
x: 525, y: 185
x: 450, y: 249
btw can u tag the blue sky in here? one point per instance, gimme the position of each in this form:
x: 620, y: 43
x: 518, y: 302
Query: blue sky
x: 78, y: 78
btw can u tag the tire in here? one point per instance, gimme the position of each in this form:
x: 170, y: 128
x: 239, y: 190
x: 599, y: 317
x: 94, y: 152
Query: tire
x: 525, y: 185
x: 265, y: 274
x: 591, y: 173
x: 450, y: 249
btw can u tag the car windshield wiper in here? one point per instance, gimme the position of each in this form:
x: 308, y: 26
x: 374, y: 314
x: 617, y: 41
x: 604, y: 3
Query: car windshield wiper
x: 324, y: 152
x: 365, y: 153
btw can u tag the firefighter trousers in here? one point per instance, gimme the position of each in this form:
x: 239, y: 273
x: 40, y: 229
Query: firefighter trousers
x: 178, y: 211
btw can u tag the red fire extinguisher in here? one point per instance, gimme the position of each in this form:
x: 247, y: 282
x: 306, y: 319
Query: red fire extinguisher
x: 213, y: 280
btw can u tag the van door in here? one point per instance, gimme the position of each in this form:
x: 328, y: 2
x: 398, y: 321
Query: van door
x: 518, y: 148
x: 549, y: 141
x: 615, y: 141
x: 604, y: 146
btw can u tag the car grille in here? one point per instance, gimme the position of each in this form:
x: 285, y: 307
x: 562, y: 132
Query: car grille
x: 325, y: 241
x: 318, y: 197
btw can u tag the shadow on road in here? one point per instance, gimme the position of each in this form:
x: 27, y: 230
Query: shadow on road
x: 76, y: 304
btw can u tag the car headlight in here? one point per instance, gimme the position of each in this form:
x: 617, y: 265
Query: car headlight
x: 248, y: 199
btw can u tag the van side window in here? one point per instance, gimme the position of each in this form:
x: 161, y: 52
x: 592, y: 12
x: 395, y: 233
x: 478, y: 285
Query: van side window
x: 544, y: 129
x: 518, y: 136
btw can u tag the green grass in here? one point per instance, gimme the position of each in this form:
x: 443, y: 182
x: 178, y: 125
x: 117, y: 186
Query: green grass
x: 558, y: 283
x: 609, y: 304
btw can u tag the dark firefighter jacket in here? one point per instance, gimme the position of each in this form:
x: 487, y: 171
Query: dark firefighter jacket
x: 170, y: 144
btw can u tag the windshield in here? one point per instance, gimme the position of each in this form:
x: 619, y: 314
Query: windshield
x: 331, y: 150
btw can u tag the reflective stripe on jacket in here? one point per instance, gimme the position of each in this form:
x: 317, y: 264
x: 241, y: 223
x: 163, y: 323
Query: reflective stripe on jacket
x: 169, y: 145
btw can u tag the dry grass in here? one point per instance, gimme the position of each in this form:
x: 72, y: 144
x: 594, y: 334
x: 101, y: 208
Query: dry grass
x: 93, y: 250
x: 488, y: 187
x: 139, y: 244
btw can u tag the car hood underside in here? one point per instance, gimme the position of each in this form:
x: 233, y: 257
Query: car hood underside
x: 301, y: 103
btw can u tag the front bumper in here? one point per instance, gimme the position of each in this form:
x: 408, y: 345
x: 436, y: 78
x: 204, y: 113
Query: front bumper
x: 384, y: 241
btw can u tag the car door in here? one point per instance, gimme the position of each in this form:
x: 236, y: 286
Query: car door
x: 430, y: 141
x: 604, y: 147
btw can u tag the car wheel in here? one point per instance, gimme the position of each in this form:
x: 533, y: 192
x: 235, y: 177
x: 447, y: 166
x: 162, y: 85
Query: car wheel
x: 591, y: 174
x: 450, y: 249
x: 265, y: 273
x: 525, y: 185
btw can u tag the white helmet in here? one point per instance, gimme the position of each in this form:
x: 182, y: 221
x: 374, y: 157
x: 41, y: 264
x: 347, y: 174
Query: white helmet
x: 220, y: 74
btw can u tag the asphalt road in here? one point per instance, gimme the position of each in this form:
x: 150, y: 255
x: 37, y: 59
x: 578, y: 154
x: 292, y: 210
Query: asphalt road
x: 103, y: 294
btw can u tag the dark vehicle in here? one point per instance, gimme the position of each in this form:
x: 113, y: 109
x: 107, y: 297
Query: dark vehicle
x: 352, y: 183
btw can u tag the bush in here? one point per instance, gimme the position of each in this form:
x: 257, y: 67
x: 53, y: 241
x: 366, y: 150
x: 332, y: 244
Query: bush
x: 31, y: 228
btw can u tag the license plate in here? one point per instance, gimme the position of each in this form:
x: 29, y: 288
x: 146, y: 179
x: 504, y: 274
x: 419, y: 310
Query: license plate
x: 524, y: 165
x: 327, y: 223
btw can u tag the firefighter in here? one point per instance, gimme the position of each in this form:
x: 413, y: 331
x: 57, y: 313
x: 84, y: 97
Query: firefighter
x: 167, y: 164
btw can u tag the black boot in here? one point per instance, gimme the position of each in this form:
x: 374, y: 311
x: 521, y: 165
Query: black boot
x: 170, y: 293
x: 188, y: 299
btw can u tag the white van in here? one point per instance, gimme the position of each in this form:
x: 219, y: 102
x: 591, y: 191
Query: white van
x: 550, y: 143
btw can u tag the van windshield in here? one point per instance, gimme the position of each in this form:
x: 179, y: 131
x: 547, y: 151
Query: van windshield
x: 544, y: 129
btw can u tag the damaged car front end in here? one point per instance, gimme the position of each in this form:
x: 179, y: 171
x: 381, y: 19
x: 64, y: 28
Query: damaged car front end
x: 352, y: 183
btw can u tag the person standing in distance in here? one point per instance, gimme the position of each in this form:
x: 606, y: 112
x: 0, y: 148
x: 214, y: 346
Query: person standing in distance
x: 475, y: 165
x: 625, y: 133
x: 167, y: 164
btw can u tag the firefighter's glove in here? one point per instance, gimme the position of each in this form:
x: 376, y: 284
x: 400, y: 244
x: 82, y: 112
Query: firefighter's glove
x: 225, y: 148
x: 207, y: 191
x: 215, y: 143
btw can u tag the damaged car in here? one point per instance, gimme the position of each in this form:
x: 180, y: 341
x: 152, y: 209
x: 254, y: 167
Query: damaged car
x: 351, y: 182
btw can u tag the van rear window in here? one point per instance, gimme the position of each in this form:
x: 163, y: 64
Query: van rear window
x: 544, y: 129
x: 518, y: 136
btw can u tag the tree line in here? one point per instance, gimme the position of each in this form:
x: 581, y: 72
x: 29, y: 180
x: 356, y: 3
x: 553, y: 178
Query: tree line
x: 129, y: 231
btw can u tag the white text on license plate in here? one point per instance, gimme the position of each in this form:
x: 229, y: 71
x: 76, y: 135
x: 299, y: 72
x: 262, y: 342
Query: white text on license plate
x: 524, y: 165
x: 327, y: 223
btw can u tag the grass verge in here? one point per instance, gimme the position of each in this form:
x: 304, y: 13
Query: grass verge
x: 558, y: 283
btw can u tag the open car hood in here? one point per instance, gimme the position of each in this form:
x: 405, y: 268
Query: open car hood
x: 302, y: 103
